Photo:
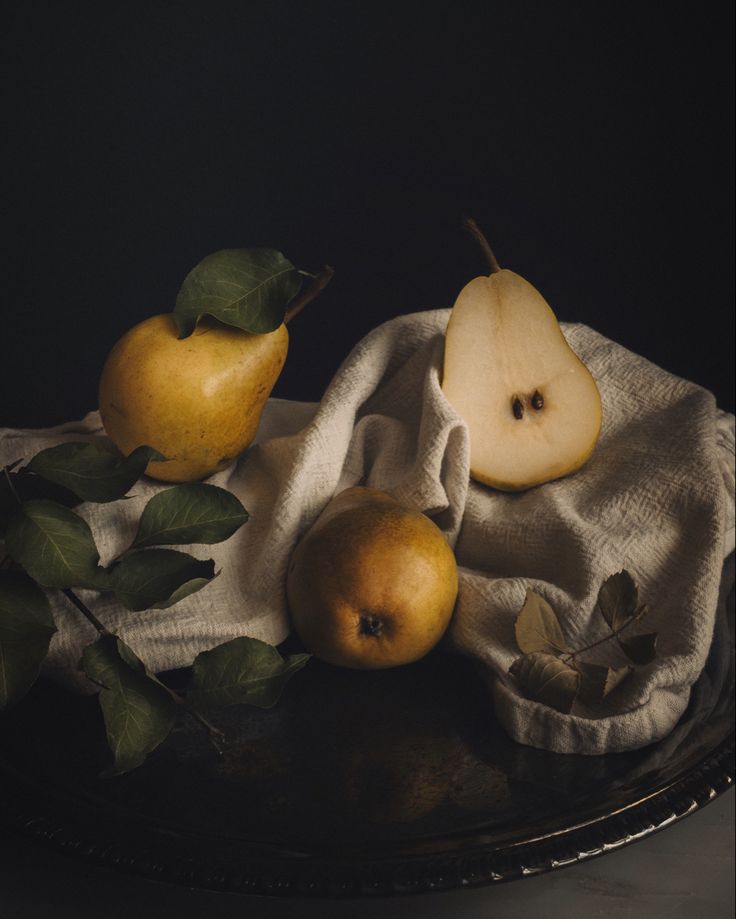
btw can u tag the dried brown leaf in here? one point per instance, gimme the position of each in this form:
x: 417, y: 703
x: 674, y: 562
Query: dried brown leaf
x: 640, y: 649
x: 546, y: 679
x: 598, y: 681
x: 617, y: 599
x: 537, y: 627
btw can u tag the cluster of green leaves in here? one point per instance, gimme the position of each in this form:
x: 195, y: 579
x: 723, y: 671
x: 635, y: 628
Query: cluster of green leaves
x: 552, y: 673
x: 50, y: 546
x: 246, y: 288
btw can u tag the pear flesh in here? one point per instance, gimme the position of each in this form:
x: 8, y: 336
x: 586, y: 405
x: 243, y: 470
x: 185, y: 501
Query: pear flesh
x: 197, y: 400
x: 532, y: 407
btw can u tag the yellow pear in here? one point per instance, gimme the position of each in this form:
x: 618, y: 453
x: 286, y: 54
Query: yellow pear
x: 197, y: 400
x: 532, y: 407
x: 372, y: 584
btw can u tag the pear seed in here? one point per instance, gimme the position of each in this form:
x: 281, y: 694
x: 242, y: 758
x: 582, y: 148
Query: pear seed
x: 537, y: 400
x: 517, y: 407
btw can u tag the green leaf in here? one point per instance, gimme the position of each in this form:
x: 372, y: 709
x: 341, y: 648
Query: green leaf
x: 546, y: 679
x: 138, y: 710
x: 617, y: 599
x: 54, y: 545
x: 194, y: 513
x: 26, y: 627
x: 242, y: 671
x: 246, y: 288
x: 19, y: 487
x: 157, y: 578
x: 9, y: 498
x: 91, y: 471
x: 537, y: 627
x: 598, y: 681
x: 640, y: 649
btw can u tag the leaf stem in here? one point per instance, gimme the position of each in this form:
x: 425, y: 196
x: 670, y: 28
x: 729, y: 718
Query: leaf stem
x: 85, y: 611
x: 311, y: 293
x: 217, y: 737
x: 475, y: 231
x: 571, y: 655
x: 6, y: 473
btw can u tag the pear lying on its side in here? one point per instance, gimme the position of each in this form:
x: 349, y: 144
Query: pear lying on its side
x: 197, y: 400
x: 372, y: 584
x: 532, y: 408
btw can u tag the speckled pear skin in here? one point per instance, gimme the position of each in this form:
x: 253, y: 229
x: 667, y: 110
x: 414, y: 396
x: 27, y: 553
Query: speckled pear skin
x: 372, y: 584
x: 197, y: 400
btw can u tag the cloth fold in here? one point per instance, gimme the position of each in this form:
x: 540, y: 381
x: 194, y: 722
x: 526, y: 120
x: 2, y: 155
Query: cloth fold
x: 656, y: 498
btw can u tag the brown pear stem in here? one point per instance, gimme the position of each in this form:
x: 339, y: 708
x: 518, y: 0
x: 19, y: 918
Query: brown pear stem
x: 475, y: 231
x: 311, y: 293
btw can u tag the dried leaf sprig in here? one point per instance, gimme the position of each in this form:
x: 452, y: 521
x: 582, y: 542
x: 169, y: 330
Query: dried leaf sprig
x: 552, y: 673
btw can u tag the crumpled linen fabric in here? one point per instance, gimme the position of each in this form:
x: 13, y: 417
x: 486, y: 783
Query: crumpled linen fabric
x: 656, y: 498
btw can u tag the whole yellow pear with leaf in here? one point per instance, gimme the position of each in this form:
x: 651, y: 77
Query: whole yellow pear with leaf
x: 197, y: 400
x: 532, y: 407
x: 193, y: 383
x: 372, y: 584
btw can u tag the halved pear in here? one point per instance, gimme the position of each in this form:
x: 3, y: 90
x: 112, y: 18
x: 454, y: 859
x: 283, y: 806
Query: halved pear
x: 532, y: 408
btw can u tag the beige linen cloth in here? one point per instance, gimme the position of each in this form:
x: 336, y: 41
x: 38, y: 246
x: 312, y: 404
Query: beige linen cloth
x: 656, y: 498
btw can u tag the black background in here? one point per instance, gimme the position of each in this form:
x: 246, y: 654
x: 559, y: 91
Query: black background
x: 592, y: 141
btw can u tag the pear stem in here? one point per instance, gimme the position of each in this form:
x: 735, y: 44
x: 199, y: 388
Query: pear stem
x: 311, y: 293
x: 475, y: 231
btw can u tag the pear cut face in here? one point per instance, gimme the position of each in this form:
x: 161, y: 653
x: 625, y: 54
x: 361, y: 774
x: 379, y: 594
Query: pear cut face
x: 532, y: 408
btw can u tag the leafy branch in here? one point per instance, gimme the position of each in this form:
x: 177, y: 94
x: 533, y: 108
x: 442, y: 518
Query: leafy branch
x: 49, y: 546
x: 552, y: 673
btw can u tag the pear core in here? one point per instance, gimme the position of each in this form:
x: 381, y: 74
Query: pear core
x: 532, y: 407
x: 372, y: 584
x: 197, y: 400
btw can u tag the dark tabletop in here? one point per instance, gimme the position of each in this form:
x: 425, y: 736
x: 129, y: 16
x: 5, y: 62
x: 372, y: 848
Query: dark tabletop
x: 685, y: 871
